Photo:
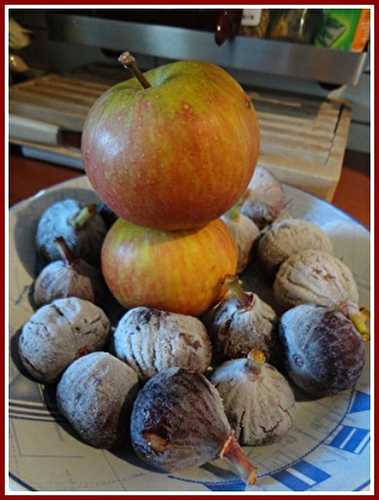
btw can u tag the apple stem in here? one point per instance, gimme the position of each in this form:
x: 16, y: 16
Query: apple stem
x: 67, y: 256
x: 85, y: 214
x: 233, y: 453
x: 129, y: 62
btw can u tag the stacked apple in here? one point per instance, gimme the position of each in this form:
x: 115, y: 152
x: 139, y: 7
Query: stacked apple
x: 170, y: 151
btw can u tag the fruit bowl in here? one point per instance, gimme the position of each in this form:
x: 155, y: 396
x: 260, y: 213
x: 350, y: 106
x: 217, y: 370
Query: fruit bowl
x: 330, y: 436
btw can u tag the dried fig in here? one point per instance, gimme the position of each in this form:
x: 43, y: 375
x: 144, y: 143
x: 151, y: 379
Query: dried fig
x: 265, y: 199
x: 286, y: 237
x: 60, y: 332
x: 323, y: 352
x: 109, y: 217
x: 316, y: 277
x: 244, y: 233
x: 69, y: 277
x: 178, y: 421
x: 95, y: 394
x: 81, y: 227
x: 257, y: 399
x: 239, y: 323
x: 150, y: 340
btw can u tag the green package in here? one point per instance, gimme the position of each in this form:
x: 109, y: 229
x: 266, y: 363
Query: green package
x: 338, y: 28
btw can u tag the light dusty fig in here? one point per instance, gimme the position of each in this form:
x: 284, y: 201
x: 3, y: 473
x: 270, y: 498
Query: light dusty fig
x: 178, y: 421
x: 244, y: 233
x: 239, y: 323
x: 323, y: 352
x: 59, y: 333
x: 287, y: 237
x: 69, y: 277
x: 81, y: 227
x: 265, y: 199
x: 150, y: 340
x: 258, y: 400
x: 95, y: 395
x: 314, y: 277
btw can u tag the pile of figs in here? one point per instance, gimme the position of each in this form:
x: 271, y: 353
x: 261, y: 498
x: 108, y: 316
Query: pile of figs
x: 185, y: 385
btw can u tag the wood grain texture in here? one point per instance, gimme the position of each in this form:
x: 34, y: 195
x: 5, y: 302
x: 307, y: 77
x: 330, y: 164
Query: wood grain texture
x: 303, y: 139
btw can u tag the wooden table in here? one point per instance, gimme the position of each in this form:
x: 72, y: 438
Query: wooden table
x: 28, y: 176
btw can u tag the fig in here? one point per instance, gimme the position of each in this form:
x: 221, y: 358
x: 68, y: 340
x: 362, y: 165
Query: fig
x: 265, y: 199
x: 258, y: 400
x: 287, y: 237
x: 239, y: 323
x: 244, y: 233
x: 316, y: 277
x: 323, y: 351
x: 81, y: 227
x: 178, y: 421
x: 60, y: 332
x: 109, y: 217
x: 150, y: 340
x: 69, y: 277
x: 95, y: 395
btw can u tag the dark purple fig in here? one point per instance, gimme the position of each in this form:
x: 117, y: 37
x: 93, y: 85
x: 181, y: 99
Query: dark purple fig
x: 258, y: 400
x: 240, y: 323
x: 178, y: 421
x: 323, y: 352
x: 81, y: 227
x: 95, y: 394
x: 107, y: 214
x: 150, y: 340
x: 69, y: 277
x: 59, y: 333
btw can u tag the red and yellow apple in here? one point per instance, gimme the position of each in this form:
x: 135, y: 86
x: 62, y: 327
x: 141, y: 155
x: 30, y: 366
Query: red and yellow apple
x: 181, y: 271
x: 174, y: 155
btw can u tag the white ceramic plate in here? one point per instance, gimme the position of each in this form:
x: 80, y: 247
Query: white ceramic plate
x: 327, y: 450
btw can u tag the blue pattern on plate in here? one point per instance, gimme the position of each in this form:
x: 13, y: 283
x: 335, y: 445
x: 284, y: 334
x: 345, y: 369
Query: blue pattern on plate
x: 301, y: 476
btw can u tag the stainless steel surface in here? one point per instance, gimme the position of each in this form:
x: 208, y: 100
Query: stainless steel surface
x: 264, y: 56
x: 52, y: 157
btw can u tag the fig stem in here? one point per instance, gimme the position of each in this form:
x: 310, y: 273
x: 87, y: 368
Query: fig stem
x: 233, y: 453
x: 358, y: 317
x: 235, y: 289
x: 65, y: 252
x: 234, y: 212
x: 85, y: 214
x: 255, y: 360
x: 359, y: 321
x: 129, y: 62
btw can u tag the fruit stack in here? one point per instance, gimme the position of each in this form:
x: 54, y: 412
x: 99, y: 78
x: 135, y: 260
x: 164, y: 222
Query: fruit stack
x: 170, y: 151
x: 186, y: 376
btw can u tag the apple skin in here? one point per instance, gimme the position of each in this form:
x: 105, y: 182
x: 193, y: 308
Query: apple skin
x: 176, y: 155
x: 180, y: 271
